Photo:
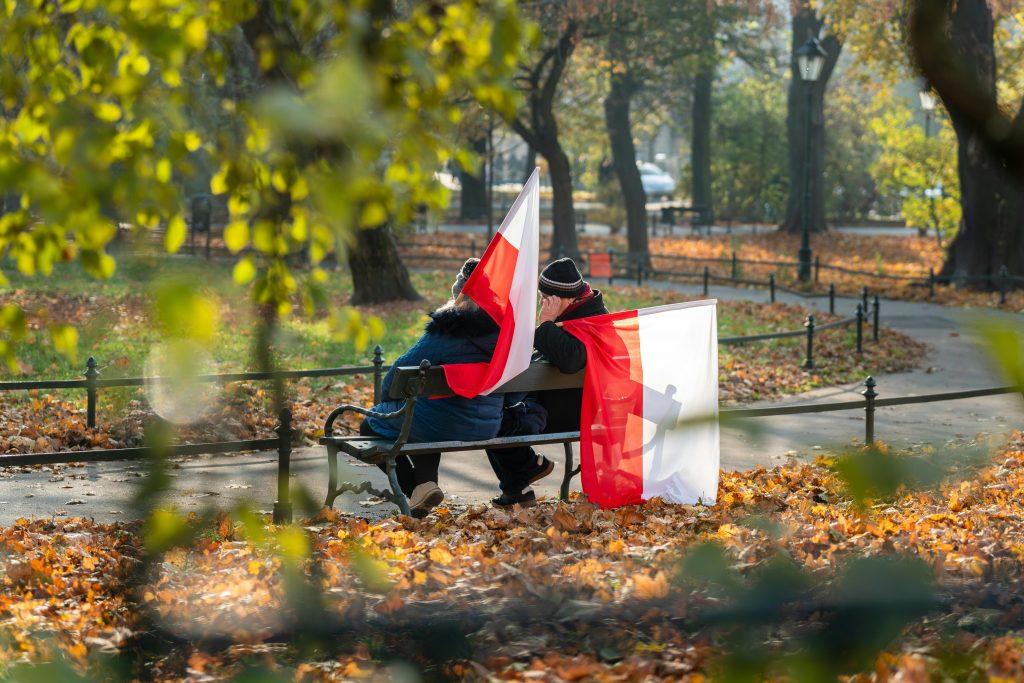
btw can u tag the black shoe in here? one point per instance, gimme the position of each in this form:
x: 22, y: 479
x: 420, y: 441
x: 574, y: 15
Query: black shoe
x: 543, y: 469
x: 506, y: 500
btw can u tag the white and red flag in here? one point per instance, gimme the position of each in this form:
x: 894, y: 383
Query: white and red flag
x: 649, y: 423
x: 504, y: 284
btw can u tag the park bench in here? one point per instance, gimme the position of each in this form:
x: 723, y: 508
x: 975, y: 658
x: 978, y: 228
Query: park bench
x: 413, y: 384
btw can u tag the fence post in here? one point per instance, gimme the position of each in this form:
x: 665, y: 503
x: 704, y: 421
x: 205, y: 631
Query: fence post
x: 860, y: 328
x: 817, y: 268
x: 639, y: 270
x: 90, y: 392
x: 876, y: 307
x: 809, y: 362
x: 735, y: 272
x: 771, y: 287
x: 869, y: 410
x: 1003, y: 276
x: 611, y: 265
x: 864, y: 299
x: 832, y: 298
x: 706, y: 276
x: 378, y: 370
x: 283, y: 504
x: 472, y: 247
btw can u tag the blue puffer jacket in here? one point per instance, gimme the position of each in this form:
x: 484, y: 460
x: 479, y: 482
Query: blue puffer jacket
x: 451, y: 336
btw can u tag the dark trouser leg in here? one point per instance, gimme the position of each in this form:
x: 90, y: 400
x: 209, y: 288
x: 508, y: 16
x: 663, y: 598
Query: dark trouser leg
x: 403, y: 467
x: 425, y: 467
x: 512, y: 466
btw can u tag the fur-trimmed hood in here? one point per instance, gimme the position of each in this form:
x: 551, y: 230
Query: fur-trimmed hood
x: 462, y: 323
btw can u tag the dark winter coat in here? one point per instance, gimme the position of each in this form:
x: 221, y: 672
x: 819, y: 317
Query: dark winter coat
x: 568, y: 354
x: 452, y: 336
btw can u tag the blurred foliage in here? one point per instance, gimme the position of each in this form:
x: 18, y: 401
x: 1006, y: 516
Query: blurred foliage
x: 920, y: 169
x: 320, y: 118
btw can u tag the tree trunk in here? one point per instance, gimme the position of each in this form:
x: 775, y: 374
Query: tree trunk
x: 474, y: 187
x: 700, y: 143
x: 378, y: 275
x: 620, y: 135
x: 992, y: 201
x: 563, y: 216
x: 531, y: 162
x: 806, y: 24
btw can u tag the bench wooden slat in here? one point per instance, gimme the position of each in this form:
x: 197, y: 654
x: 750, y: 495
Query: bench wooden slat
x: 537, y: 375
x: 354, y: 445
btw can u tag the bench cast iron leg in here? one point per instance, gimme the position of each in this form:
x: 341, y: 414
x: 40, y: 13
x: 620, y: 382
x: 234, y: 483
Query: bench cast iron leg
x: 403, y: 502
x: 563, y: 492
x: 332, y: 477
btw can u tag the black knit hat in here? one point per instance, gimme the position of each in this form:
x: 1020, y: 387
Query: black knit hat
x: 460, y: 280
x: 562, y: 278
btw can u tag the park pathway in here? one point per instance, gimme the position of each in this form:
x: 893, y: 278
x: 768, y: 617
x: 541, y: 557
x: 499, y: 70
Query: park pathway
x: 954, y: 361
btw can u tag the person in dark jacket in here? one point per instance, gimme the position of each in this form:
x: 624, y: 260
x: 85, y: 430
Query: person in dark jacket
x: 458, y: 332
x: 564, y: 296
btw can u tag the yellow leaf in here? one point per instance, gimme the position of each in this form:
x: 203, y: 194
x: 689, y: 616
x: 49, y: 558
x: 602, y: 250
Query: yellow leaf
x: 163, y: 170
x: 254, y: 567
x: 108, y: 111
x: 192, y: 141
x: 374, y: 214
x: 195, y: 33
x: 236, y: 236
x: 175, y: 235
x: 65, y: 341
x: 244, y: 271
x: 293, y: 543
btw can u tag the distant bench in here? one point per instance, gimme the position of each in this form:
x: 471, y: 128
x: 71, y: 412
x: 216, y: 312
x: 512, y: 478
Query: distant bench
x: 411, y: 384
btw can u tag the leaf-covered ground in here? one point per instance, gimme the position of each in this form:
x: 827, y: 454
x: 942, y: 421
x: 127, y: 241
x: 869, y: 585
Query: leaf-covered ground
x: 876, y: 254
x: 789, y: 575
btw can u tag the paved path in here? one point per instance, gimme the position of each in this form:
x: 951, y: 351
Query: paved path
x: 954, y: 361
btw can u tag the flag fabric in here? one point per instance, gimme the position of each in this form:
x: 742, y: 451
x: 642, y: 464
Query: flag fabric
x: 504, y: 284
x: 649, y: 423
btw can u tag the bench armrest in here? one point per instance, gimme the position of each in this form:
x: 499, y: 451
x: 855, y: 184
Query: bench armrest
x: 340, y: 410
x: 415, y: 387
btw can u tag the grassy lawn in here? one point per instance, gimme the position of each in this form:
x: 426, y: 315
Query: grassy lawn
x: 116, y: 325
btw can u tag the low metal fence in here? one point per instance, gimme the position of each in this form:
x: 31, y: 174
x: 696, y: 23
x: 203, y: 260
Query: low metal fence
x: 638, y: 269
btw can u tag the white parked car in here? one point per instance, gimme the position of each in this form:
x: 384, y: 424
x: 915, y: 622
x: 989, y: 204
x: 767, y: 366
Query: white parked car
x: 656, y: 182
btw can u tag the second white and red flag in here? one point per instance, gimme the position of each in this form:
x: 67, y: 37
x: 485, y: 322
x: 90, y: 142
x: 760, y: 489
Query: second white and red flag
x: 649, y: 424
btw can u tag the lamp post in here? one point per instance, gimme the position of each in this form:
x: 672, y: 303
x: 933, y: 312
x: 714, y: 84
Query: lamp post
x: 928, y: 104
x: 932, y: 193
x: 810, y: 60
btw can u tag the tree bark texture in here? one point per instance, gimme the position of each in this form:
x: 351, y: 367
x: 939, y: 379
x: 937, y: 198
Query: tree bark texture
x: 531, y: 163
x: 799, y: 125
x: 378, y: 274
x: 473, y: 204
x: 700, y: 143
x: 620, y: 136
x: 991, y: 233
x: 539, y: 130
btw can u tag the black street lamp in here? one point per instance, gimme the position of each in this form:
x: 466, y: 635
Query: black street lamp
x: 810, y: 60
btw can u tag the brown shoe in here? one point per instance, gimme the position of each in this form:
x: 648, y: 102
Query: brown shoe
x: 425, y: 498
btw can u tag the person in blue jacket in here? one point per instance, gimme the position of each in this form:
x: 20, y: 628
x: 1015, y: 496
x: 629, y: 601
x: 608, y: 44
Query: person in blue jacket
x: 458, y: 332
